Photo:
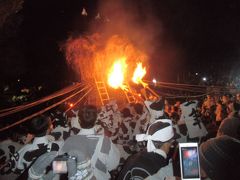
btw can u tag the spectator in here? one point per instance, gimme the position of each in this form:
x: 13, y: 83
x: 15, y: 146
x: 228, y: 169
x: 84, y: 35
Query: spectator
x: 218, y: 113
x: 225, y: 106
x: 238, y: 98
x: 159, y: 137
x: 234, y: 109
x: 220, y: 158
x: 72, y: 116
x: 103, y: 153
x: 190, y: 116
x: 40, y: 127
x: 61, y: 130
x: 8, y: 147
x: 140, y: 118
x: 126, y: 130
x: 208, y: 103
x: 231, y: 125
x: 208, y: 109
x: 156, y: 109
x: 174, y: 114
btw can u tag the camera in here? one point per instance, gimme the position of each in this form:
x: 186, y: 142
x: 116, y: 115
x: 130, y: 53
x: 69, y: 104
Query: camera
x: 59, y: 164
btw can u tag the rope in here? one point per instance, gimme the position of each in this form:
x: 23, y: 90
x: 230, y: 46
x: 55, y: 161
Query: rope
x: 78, y: 101
x: 26, y: 106
x: 44, y: 110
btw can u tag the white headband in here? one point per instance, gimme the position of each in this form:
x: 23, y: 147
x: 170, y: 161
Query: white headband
x: 162, y: 135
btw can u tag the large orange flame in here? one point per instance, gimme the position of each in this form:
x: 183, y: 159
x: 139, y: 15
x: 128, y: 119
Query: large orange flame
x: 139, y: 73
x: 91, y: 56
x: 117, y: 73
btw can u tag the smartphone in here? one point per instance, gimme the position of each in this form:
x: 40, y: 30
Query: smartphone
x: 59, y: 165
x: 189, y: 161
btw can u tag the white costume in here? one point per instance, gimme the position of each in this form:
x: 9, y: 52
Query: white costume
x: 189, y: 117
x: 104, y: 154
x: 155, y: 113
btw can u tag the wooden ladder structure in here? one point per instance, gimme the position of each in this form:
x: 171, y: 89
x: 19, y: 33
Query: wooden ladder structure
x: 102, y: 91
x: 129, y: 94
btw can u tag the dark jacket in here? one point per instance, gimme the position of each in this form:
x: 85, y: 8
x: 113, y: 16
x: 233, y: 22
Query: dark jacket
x: 142, y: 165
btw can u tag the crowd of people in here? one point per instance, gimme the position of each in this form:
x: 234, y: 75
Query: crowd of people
x: 137, y: 141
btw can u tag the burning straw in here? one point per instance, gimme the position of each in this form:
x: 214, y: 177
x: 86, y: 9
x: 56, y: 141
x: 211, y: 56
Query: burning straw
x: 93, y: 56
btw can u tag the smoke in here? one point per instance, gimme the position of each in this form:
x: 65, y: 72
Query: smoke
x: 132, y: 19
x: 121, y: 28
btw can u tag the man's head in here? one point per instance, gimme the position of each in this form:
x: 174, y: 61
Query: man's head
x: 230, y: 127
x: 40, y: 125
x: 87, y: 116
x: 138, y: 107
x: 126, y: 113
x: 158, y: 133
x: 220, y: 158
x: 208, y: 96
x: 234, y: 108
x: 225, y: 99
x: 238, y: 97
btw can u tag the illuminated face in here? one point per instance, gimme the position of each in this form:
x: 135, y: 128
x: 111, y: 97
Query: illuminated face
x: 225, y: 99
x: 238, y: 97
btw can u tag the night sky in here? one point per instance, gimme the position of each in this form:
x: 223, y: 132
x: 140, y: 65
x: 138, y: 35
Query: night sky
x: 184, y: 36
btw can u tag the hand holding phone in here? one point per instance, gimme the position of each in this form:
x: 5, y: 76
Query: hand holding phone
x: 189, y: 161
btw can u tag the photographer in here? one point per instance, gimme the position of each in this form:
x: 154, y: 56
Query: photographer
x: 103, y: 154
x: 74, y: 164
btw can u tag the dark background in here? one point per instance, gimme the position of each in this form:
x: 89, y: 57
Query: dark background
x: 195, y: 36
